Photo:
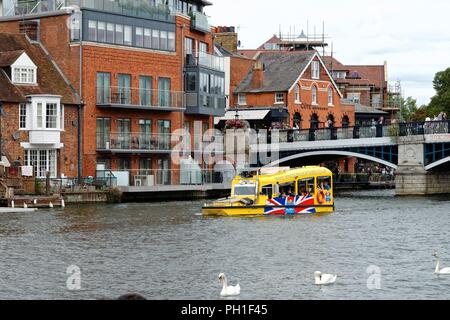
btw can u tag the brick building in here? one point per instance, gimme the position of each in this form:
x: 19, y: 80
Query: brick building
x: 294, y: 88
x: 39, y: 118
x: 142, y: 71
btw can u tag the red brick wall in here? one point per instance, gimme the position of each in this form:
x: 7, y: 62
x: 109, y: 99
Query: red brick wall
x: 67, y: 156
x: 240, y: 67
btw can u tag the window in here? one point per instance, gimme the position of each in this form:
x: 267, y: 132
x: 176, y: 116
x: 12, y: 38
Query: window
x: 139, y: 37
x: 145, y: 133
x: 145, y: 166
x: 191, y: 82
x: 203, y: 47
x: 297, y: 93
x: 155, y: 39
x: 163, y: 134
x: 147, y: 38
x: 103, y: 88
x: 164, y: 92
x: 279, y: 97
x: 39, y: 116
x: 124, y: 164
x: 51, y: 116
x: 127, y: 36
x: 124, y: 134
x: 171, y: 41
x: 267, y: 191
x: 163, y: 40
x: 92, y: 26
x: 101, y: 31
x: 330, y: 96
x: 124, y: 89
x: 315, y: 69
x: 24, y: 75
x: 355, y: 97
x: 42, y: 161
x: 110, y: 28
x: 145, y: 91
x: 75, y: 19
x: 242, y: 99
x: 188, y: 46
x: 204, y: 82
x: 314, y: 95
x: 306, y: 187
x: 103, y: 133
x: 119, y: 34
x: 23, y: 116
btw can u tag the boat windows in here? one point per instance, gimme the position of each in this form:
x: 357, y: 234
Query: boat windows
x: 324, y: 183
x: 306, y: 186
x: 287, y: 189
x: 267, y: 191
x: 245, y: 190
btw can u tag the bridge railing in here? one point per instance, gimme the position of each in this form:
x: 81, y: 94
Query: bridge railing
x: 365, y: 132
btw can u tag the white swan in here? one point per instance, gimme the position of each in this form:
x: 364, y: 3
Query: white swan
x: 228, y: 291
x: 25, y: 206
x: 438, y: 268
x: 51, y: 205
x: 324, y: 279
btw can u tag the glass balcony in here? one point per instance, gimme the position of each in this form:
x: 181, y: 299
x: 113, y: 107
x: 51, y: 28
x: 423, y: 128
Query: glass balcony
x: 200, y: 22
x: 140, y: 98
x: 206, y: 60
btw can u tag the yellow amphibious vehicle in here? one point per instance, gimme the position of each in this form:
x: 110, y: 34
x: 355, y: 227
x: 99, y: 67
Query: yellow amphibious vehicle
x: 277, y: 191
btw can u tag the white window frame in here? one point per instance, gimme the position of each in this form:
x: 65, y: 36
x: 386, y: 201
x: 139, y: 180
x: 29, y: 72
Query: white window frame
x: 330, y: 97
x: 29, y: 73
x: 279, y: 95
x: 38, y: 113
x: 355, y: 97
x: 23, y: 116
x: 297, y: 94
x: 33, y: 156
x: 242, y: 99
x: 314, y: 91
x: 315, y: 70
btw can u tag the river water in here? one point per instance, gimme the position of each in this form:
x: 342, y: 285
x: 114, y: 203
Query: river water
x: 169, y: 251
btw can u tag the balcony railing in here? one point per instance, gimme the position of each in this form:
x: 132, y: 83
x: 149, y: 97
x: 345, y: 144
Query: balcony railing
x: 205, y: 100
x: 207, y: 60
x: 200, y: 22
x: 142, y: 98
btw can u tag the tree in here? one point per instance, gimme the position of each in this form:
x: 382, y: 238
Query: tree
x: 420, y: 114
x: 441, y: 101
x: 408, y: 108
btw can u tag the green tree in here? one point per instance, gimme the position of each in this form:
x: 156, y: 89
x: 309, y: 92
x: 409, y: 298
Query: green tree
x: 441, y: 101
x: 420, y: 114
x: 408, y: 108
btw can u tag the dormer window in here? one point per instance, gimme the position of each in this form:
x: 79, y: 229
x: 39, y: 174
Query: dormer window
x: 24, y: 71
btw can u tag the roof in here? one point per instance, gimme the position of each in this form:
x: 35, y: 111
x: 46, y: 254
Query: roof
x: 273, y: 40
x: 281, y: 71
x: 227, y: 53
x: 243, y: 115
x: 361, y: 109
x: 7, y: 58
x: 50, y: 80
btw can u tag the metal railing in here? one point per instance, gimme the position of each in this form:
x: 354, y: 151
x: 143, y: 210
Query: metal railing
x: 62, y: 185
x: 365, y: 132
x: 205, y: 59
x: 140, y: 97
x: 176, y: 177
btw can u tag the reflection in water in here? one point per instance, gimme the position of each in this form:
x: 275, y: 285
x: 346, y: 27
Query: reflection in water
x: 169, y: 251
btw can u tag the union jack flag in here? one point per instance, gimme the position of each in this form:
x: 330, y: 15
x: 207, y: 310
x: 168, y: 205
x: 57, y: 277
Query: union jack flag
x: 290, y: 205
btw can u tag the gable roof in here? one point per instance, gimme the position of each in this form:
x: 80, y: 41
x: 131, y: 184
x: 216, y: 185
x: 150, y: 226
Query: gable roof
x: 7, y: 58
x: 50, y: 80
x: 281, y: 71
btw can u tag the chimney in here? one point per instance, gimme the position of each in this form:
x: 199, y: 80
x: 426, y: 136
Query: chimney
x: 30, y: 28
x: 226, y: 37
x: 258, y: 75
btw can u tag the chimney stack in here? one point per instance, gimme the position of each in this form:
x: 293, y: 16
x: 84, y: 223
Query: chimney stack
x: 30, y: 28
x: 258, y: 75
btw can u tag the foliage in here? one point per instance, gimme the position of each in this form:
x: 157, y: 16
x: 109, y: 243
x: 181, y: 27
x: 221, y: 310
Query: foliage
x: 420, y: 114
x: 280, y: 126
x: 114, y: 195
x: 408, y: 109
x: 237, y: 124
x: 441, y: 101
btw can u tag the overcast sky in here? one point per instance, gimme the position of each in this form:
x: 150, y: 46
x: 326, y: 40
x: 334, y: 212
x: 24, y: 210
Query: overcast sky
x: 413, y: 36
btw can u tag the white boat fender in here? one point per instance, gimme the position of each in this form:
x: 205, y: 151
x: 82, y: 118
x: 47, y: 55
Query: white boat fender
x: 63, y: 204
x: 12, y: 204
x: 51, y: 205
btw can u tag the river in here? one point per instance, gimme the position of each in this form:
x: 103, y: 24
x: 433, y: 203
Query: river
x: 169, y: 251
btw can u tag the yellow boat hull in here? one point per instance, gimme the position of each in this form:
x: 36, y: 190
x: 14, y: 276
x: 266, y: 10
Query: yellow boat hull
x: 254, y: 211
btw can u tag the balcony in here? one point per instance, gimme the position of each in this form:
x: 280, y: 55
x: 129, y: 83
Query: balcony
x: 140, y: 99
x: 205, y: 104
x: 205, y: 60
x: 200, y: 22
x: 45, y: 137
x: 134, y: 143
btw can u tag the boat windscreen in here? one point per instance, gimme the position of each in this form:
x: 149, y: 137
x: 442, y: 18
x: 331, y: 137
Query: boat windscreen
x: 245, y: 190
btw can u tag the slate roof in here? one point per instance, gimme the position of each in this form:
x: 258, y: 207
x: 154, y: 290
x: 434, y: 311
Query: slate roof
x: 49, y: 79
x: 281, y: 71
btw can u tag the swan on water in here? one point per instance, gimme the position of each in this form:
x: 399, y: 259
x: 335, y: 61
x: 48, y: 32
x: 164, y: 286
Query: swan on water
x: 25, y: 206
x: 227, y: 290
x: 51, y: 205
x: 324, y: 279
x: 438, y: 267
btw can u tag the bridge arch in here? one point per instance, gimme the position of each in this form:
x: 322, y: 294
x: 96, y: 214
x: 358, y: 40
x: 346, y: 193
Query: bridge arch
x: 437, y: 163
x: 333, y: 153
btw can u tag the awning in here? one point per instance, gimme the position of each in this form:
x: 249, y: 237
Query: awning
x: 243, y: 115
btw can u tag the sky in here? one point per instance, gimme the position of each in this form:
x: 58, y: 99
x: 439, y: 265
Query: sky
x: 412, y: 36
